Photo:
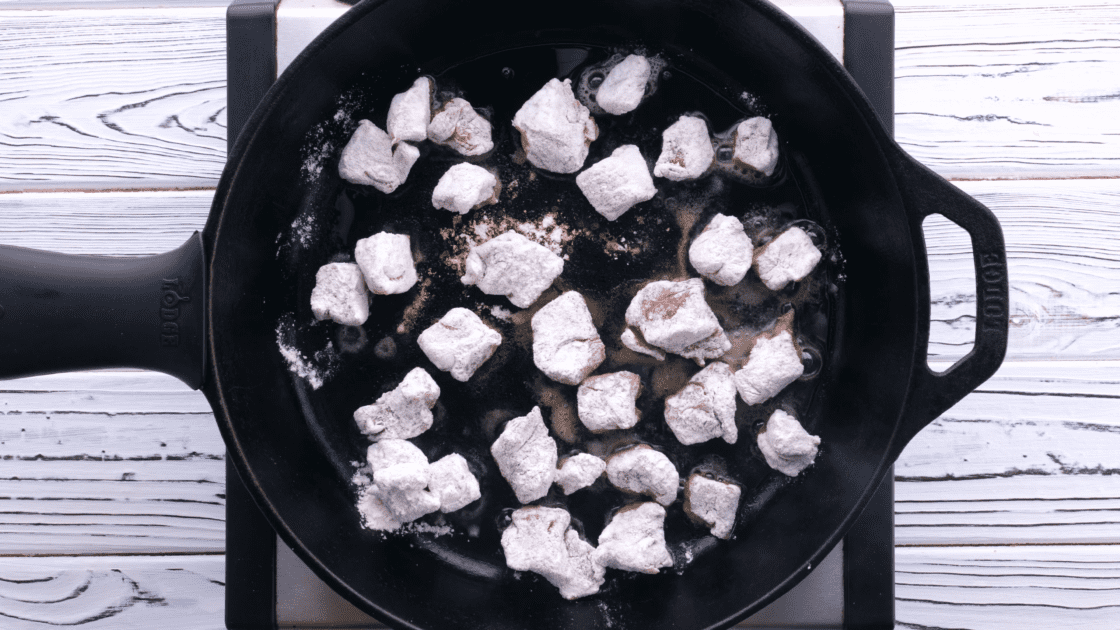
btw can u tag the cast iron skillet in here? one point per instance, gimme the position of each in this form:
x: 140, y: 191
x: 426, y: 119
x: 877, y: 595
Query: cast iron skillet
x: 207, y: 312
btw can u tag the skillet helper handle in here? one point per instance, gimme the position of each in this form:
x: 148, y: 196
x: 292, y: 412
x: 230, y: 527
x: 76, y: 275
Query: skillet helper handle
x: 925, y: 193
x: 62, y: 312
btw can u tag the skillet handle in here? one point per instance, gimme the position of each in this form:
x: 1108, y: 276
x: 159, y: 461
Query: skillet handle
x: 924, y: 193
x: 61, y: 312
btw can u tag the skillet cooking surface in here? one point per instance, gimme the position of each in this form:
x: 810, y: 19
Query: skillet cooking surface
x: 299, y: 443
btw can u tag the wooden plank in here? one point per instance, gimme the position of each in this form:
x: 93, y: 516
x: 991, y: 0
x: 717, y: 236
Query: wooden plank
x: 1007, y: 588
x: 109, y: 462
x: 122, y: 593
x: 1060, y: 236
x: 1063, y: 263
x: 41, y: 5
x: 997, y: 89
x: 109, y: 224
x: 130, y: 98
x: 1031, y: 457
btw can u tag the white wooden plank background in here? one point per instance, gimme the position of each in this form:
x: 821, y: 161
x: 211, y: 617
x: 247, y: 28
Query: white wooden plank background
x: 1008, y: 506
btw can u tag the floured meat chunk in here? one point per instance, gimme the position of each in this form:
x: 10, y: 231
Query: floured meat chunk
x: 756, y: 145
x: 642, y: 470
x: 459, y: 343
x: 540, y: 540
x: 513, y: 266
x: 772, y: 364
x: 786, y: 445
x: 713, y: 503
x: 388, y: 453
x: 579, y: 471
x: 374, y: 514
x: 410, y: 111
x: 526, y: 456
x: 403, y: 490
x: 566, y: 345
x: 402, y: 413
x: 686, y: 150
x: 465, y: 187
x: 705, y: 408
x: 606, y: 402
x: 340, y: 294
x: 630, y: 340
x: 625, y: 85
x: 634, y: 540
x: 788, y: 258
x: 370, y: 159
x: 615, y: 184
x: 556, y: 129
x: 673, y: 316
x: 386, y: 262
x: 722, y: 253
x: 458, y: 126
x: 450, y: 479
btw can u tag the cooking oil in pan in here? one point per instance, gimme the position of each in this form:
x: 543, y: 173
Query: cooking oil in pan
x: 606, y: 262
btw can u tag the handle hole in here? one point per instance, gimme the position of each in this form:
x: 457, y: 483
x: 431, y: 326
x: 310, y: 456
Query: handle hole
x: 952, y: 292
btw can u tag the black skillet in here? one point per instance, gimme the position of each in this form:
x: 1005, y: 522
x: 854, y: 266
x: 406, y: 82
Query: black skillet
x: 208, y: 312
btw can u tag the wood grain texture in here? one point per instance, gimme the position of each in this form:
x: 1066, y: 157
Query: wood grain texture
x: 998, y: 89
x: 131, y: 98
x: 1008, y: 588
x: 1063, y: 263
x: 1031, y: 457
x: 122, y: 593
x: 108, y: 224
x: 109, y: 462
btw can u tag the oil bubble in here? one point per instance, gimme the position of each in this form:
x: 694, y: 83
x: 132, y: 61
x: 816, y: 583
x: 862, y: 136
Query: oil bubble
x: 385, y: 349
x: 811, y: 359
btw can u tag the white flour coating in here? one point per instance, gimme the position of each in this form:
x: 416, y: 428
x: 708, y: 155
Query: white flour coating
x: 386, y: 453
x: 315, y: 370
x: 539, y: 539
x: 526, y: 456
x: 340, y: 294
x: 788, y: 258
x: 403, y: 490
x: 631, y: 340
x: 686, y: 150
x: 579, y: 471
x: 402, y: 413
x: 465, y: 187
x: 634, y: 540
x: 502, y: 313
x: 374, y: 514
x: 420, y: 527
x: 615, y: 184
x: 704, y: 409
x: 643, y: 470
x: 771, y: 365
x: 409, y: 113
x: 722, y: 253
x: 712, y: 502
x: 479, y: 227
x: 556, y: 129
x: 513, y: 266
x: 625, y: 85
x: 756, y: 145
x: 369, y: 158
x: 303, y: 229
x: 457, y: 125
x: 386, y: 263
x: 675, y: 317
x: 459, y: 343
x: 786, y: 445
x: 450, y: 479
x: 566, y: 345
x: 607, y: 402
